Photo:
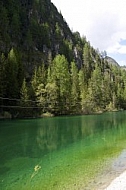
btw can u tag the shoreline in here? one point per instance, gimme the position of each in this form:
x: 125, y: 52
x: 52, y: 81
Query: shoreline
x: 113, y: 176
x: 118, y: 183
x: 109, y: 181
x: 7, y: 115
x: 119, y: 168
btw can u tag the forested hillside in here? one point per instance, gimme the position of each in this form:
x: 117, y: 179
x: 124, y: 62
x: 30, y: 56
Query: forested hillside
x: 45, y: 67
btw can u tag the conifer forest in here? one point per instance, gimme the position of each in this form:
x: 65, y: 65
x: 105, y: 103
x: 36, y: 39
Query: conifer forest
x: 47, y: 68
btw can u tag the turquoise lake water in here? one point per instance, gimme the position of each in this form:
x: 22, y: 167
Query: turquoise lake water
x: 60, y: 152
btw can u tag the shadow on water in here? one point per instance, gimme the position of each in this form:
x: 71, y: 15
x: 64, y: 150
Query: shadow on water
x: 4, y: 170
x: 57, y: 133
x: 36, y: 138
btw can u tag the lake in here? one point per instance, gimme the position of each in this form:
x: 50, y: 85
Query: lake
x: 61, y: 153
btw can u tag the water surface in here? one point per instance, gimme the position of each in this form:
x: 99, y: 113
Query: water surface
x: 60, y: 153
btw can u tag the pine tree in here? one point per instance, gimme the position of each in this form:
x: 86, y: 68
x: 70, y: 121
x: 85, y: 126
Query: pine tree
x: 41, y: 97
x: 95, y: 89
x: 87, y: 61
x: 83, y: 88
x: 24, y: 94
x: 2, y: 81
x: 39, y: 77
x: 106, y: 90
x: 61, y: 78
x: 2, y: 76
x: 12, y: 74
x: 124, y: 89
x: 52, y: 91
x: 52, y: 97
x: 25, y: 108
x: 74, y: 88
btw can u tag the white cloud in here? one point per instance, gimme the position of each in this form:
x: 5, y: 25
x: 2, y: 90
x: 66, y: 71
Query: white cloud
x: 122, y: 62
x: 117, y: 48
x: 103, y: 22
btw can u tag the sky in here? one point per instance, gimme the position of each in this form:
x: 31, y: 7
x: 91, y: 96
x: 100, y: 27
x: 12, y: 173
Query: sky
x: 103, y: 22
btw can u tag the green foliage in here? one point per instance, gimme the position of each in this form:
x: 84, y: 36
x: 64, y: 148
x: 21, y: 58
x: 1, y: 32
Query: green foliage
x: 24, y: 94
x: 4, y: 28
x: 74, y: 88
x: 61, y: 74
x: 2, y: 76
x: 95, y: 89
x: 41, y: 96
x: 74, y: 77
x: 38, y: 77
x: 83, y: 88
x: 87, y: 61
x: 61, y: 77
x: 52, y: 97
x: 12, y: 74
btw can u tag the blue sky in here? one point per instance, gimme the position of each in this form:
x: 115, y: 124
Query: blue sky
x: 103, y: 22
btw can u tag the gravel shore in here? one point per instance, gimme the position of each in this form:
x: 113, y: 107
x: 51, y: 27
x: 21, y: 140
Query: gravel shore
x: 119, y: 183
x: 119, y: 166
x: 113, y: 177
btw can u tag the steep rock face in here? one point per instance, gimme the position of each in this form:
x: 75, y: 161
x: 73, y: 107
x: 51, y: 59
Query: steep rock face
x: 111, y: 61
x: 37, y: 30
x: 32, y: 35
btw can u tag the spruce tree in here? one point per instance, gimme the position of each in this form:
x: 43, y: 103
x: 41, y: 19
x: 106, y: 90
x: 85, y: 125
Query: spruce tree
x: 12, y: 74
x: 83, y: 88
x: 52, y: 91
x: 87, y: 61
x: 74, y: 88
x: 61, y: 78
x: 24, y: 96
x: 95, y: 89
x: 2, y: 76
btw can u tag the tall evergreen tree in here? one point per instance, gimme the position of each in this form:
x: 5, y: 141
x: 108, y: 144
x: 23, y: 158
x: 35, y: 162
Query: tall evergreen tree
x: 74, y: 88
x: 106, y: 90
x: 2, y: 81
x: 2, y: 76
x: 83, y: 89
x: 24, y: 95
x: 52, y: 91
x: 41, y: 97
x: 11, y: 74
x: 95, y: 89
x: 39, y: 77
x: 61, y: 77
x: 87, y: 61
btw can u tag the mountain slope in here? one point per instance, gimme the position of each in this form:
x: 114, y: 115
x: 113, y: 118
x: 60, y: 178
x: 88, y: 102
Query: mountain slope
x: 45, y: 67
x: 36, y: 29
x: 111, y: 61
